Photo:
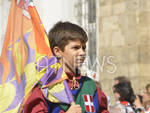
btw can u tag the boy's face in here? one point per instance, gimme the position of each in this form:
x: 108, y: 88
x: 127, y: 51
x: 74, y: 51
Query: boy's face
x: 73, y: 55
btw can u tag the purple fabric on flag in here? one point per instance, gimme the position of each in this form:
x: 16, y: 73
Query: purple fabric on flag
x: 69, y: 93
x: 62, y: 97
x: 54, y: 76
x: 12, y: 69
x: 19, y: 92
x: 45, y: 92
x: 50, y: 74
x: 30, y: 59
x: 31, y: 52
x: 46, y: 62
x: 1, y: 72
x: 12, y: 66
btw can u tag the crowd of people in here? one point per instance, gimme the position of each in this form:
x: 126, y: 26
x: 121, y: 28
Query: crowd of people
x: 68, y: 41
x: 126, y: 100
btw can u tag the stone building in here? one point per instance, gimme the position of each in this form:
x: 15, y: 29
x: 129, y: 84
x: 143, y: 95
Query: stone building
x: 124, y: 32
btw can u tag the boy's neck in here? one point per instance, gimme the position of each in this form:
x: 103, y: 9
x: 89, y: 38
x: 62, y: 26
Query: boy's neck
x: 68, y: 69
x: 76, y: 74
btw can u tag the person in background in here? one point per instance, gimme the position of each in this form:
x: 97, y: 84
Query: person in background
x: 146, y: 98
x: 144, y: 106
x: 124, y: 94
x: 121, y: 79
x: 138, y: 101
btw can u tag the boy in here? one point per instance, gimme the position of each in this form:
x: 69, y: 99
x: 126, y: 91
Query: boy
x: 68, y: 44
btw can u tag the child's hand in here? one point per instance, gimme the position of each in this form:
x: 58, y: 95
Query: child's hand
x: 74, y: 109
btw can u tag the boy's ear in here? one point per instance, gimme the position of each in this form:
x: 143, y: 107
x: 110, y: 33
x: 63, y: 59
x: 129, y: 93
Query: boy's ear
x: 57, y: 51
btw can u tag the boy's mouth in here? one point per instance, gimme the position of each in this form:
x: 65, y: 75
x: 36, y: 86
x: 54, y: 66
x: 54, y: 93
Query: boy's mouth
x: 79, y: 60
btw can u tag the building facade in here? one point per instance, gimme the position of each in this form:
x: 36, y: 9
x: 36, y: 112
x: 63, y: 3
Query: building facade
x: 124, y: 28
x: 122, y: 34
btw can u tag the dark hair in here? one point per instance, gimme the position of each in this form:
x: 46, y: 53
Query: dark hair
x: 63, y: 32
x: 147, y: 88
x: 123, y: 79
x: 125, y: 91
x: 141, y: 98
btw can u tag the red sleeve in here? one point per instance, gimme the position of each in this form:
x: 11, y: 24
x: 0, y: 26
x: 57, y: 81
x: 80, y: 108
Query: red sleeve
x: 61, y: 111
x: 102, y: 101
x: 36, y: 102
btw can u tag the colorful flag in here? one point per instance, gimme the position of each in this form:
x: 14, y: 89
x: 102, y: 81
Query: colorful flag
x: 26, y: 60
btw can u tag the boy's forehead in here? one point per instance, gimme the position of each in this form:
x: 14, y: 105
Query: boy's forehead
x: 78, y: 42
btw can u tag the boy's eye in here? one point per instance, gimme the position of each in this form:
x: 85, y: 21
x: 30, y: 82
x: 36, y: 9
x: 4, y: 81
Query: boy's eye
x: 78, y: 47
x: 84, y: 47
x: 75, y: 47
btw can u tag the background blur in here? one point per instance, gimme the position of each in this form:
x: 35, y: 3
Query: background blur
x: 118, y: 30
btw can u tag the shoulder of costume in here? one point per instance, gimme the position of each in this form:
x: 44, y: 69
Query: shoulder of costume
x: 88, y: 78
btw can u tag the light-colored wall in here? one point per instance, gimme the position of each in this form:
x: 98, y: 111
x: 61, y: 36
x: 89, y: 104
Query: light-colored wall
x: 52, y: 11
x: 4, y: 9
x: 124, y: 33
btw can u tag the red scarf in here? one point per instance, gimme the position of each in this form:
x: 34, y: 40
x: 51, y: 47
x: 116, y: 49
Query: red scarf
x: 73, y: 82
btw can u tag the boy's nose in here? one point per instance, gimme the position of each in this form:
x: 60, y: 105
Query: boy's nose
x: 82, y: 52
